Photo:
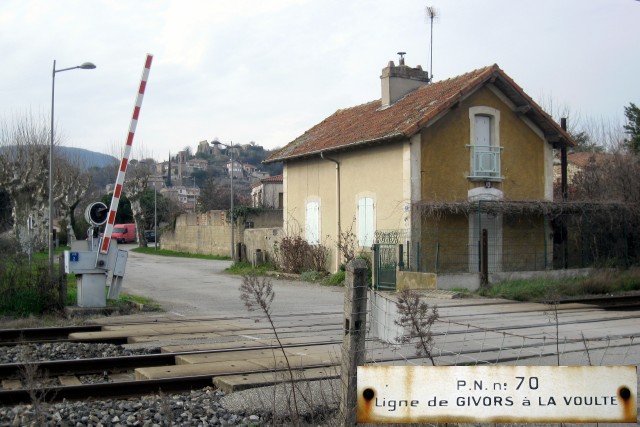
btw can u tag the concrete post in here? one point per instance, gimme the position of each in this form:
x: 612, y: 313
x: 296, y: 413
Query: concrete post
x: 353, y: 343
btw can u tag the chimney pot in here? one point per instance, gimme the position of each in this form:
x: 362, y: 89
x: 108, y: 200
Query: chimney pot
x: 399, y: 81
x: 402, y: 54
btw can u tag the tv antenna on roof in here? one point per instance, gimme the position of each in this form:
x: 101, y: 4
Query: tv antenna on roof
x: 431, y: 13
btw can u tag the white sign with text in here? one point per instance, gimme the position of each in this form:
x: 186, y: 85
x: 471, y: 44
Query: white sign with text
x: 497, y: 394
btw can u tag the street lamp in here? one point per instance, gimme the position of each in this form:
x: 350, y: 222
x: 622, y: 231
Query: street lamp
x: 155, y: 217
x: 84, y: 66
x: 230, y: 147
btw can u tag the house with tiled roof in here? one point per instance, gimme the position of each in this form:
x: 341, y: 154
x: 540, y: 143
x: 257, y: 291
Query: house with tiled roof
x: 405, y: 168
x: 267, y: 193
x: 577, y: 162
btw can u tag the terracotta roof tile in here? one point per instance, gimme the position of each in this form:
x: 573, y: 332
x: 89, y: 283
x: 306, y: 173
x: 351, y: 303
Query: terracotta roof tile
x: 274, y: 178
x: 583, y: 159
x: 371, y: 122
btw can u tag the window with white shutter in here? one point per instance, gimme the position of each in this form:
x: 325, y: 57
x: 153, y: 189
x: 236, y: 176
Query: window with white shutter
x: 312, y: 223
x: 485, y: 143
x: 365, y: 222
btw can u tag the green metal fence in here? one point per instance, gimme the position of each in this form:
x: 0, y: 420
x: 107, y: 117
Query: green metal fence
x: 566, y: 242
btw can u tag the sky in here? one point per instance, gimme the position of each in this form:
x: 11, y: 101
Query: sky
x: 265, y: 71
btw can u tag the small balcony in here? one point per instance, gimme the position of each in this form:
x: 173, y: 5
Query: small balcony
x: 485, y: 161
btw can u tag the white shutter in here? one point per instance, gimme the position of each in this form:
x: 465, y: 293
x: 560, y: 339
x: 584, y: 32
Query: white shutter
x: 482, y: 131
x: 365, y: 222
x: 312, y: 223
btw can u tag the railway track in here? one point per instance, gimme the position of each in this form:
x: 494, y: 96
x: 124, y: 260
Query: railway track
x: 12, y: 337
x: 119, y: 374
x: 310, y: 337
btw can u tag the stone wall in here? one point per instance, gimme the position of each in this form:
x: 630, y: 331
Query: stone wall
x: 267, y: 240
x: 210, y: 233
x: 415, y: 280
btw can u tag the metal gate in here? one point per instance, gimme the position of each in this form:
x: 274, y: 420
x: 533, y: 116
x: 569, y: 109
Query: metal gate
x: 386, y: 258
x: 386, y: 263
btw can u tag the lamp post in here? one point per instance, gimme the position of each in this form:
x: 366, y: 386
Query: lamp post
x: 84, y: 66
x: 233, y: 243
x: 155, y: 217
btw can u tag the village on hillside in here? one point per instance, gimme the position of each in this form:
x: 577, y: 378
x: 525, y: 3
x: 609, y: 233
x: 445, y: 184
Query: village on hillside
x: 185, y: 176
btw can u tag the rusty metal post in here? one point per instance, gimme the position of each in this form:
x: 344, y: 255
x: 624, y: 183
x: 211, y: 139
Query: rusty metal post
x: 353, y: 342
x: 484, y: 254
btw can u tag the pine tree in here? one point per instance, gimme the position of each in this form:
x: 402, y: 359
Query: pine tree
x: 632, y: 127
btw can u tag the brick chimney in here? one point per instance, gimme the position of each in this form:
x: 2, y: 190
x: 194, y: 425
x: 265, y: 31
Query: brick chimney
x: 399, y: 81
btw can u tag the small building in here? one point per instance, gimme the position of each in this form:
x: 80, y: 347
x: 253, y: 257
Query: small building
x: 196, y: 164
x: 236, y: 169
x: 186, y: 197
x: 267, y: 193
x: 577, y: 162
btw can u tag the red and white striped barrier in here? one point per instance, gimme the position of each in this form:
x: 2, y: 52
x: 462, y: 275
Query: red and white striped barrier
x: 117, y: 191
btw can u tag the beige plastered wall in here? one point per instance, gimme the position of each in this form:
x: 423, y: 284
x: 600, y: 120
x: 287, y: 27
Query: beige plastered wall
x: 377, y: 171
x: 525, y: 159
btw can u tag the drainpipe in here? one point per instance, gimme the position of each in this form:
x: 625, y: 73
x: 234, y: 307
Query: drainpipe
x: 322, y: 156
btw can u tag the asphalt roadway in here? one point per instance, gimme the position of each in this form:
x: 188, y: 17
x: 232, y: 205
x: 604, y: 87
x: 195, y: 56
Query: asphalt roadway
x: 197, y: 287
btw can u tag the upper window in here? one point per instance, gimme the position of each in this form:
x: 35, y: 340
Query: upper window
x: 312, y: 222
x: 485, y: 143
x: 365, y: 222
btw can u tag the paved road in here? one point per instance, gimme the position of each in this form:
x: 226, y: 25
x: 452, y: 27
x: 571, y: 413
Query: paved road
x: 195, y: 287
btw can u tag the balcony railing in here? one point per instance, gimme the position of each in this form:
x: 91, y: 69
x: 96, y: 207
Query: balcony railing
x: 486, y: 161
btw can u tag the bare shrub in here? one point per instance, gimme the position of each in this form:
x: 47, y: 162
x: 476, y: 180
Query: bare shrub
x: 609, y: 177
x: 318, y: 256
x: 416, y: 317
x: 257, y: 294
x: 552, y: 300
x: 296, y: 255
x: 293, y: 254
x: 164, y: 403
x: 347, y: 243
x: 586, y: 348
x: 36, y: 383
x: 318, y: 399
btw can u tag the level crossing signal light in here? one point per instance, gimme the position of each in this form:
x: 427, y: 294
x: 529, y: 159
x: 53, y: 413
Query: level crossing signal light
x: 96, y: 214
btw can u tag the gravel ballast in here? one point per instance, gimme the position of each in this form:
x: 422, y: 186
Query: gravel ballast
x: 201, y: 407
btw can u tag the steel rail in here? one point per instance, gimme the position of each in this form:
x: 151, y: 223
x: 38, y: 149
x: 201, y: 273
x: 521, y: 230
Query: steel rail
x: 124, y: 363
x: 106, y: 390
x: 118, y: 364
x: 127, y: 363
x: 22, y: 334
x: 48, y: 334
x: 58, y: 333
x: 597, y: 303
x: 126, y: 389
x: 9, y: 337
